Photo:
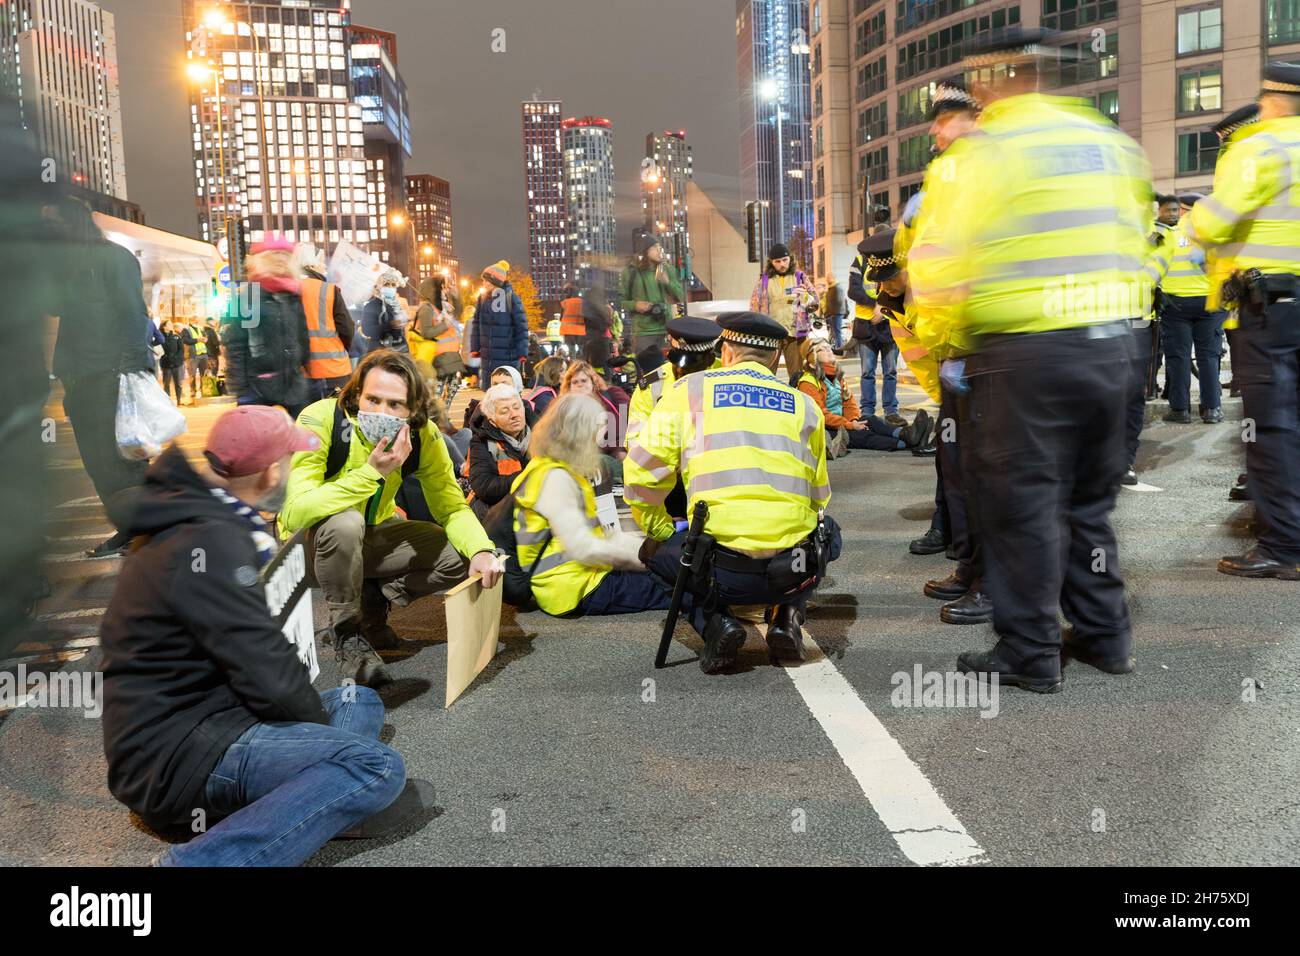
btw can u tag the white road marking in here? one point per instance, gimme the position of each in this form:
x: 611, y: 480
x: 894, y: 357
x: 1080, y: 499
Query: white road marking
x: 1140, y: 486
x: 81, y: 502
x: 911, y: 809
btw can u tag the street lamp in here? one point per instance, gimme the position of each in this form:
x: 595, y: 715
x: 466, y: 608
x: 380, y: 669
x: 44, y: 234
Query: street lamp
x: 397, y: 220
x: 198, y: 74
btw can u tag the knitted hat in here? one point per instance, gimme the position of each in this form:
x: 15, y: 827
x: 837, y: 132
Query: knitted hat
x: 778, y: 251
x: 496, y: 273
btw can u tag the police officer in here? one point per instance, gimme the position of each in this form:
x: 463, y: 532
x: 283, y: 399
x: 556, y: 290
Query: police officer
x: 754, y: 449
x: 1038, y: 281
x: 1250, y: 223
x: 1146, y: 334
x: 692, y: 345
x: 1188, y: 326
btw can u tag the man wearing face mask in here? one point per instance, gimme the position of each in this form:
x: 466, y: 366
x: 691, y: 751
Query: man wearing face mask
x: 206, y: 704
x: 375, y: 437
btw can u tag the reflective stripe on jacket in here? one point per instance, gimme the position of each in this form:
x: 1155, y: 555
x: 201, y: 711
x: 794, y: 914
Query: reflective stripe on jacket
x: 326, y: 358
x: 558, y: 584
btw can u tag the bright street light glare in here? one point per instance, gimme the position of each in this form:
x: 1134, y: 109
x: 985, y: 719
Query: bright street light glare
x: 198, y: 72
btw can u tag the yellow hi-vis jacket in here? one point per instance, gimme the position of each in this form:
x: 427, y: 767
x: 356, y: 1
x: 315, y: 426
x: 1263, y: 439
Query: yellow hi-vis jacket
x: 558, y: 584
x: 749, y: 445
x: 1185, y: 275
x: 645, y: 397
x: 1251, y: 219
x: 1160, y: 253
x: 1046, y: 210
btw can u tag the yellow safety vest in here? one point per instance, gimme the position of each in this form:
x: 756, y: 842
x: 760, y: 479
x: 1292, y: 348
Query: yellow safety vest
x: 1186, y: 273
x: 558, y: 583
x: 644, y: 398
x: 749, y: 445
x: 1063, y: 244
x: 1251, y: 219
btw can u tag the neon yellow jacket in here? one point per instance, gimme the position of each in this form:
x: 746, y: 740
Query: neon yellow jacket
x: 1251, y: 219
x: 558, y: 584
x: 1046, y: 210
x: 1185, y: 275
x: 751, y: 446
x: 645, y: 397
x: 311, y: 499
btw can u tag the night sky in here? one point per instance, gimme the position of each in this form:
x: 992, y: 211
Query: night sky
x: 669, y: 64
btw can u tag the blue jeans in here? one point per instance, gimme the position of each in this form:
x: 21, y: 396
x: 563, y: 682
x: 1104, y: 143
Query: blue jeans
x: 286, y: 789
x: 888, y: 389
x: 836, y: 324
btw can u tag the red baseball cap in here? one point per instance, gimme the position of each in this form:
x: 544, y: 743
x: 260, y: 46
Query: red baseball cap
x: 251, y: 438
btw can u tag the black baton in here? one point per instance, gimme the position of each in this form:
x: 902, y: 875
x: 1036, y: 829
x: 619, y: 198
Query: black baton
x: 698, y: 517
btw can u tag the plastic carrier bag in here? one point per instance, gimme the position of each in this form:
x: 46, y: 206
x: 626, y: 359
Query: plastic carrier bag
x: 146, y: 417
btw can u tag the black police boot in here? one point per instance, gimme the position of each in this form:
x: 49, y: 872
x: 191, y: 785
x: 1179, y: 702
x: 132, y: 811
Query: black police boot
x: 1212, y: 416
x: 989, y: 662
x: 1240, y: 491
x: 1130, y: 477
x: 723, y: 638
x: 918, y: 433
x: 374, y: 618
x: 1256, y: 564
x: 357, y: 660
x: 113, y: 547
x: 973, y: 607
x: 784, y: 633
x: 1177, y: 416
x: 932, y: 542
x: 947, y: 589
x: 1073, y: 649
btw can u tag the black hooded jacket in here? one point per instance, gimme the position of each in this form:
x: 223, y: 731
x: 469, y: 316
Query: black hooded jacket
x: 192, y: 657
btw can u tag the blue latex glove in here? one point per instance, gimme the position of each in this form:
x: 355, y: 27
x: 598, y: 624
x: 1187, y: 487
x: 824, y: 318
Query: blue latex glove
x: 953, y: 374
x: 681, y: 525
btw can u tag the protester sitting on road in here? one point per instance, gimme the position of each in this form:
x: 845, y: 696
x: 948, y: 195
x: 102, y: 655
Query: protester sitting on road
x: 207, y: 708
x: 546, y: 388
x: 508, y: 376
x: 364, y: 555
x: 499, y: 450
x: 823, y: 381
x: 456, y: 439
x: 578, y: 566
x: 265, y: 352
x: 581, y: 379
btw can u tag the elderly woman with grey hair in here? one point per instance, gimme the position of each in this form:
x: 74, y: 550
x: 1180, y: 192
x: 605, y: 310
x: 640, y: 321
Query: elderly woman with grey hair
x: 499, y: 449
x: 577, y: 565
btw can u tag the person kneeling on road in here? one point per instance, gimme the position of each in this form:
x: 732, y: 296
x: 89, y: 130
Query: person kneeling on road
x: 376, y: 434
x: 823, y: 381
x: 208, y: 712
x: 578, y: 567
x: 753, y: 449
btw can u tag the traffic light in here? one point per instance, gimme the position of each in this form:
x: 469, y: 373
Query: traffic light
x: 754, y: 230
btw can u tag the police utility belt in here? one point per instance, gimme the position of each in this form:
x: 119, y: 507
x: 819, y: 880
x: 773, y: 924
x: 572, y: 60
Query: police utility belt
x: 1251, y: 291
x: 788, y: 572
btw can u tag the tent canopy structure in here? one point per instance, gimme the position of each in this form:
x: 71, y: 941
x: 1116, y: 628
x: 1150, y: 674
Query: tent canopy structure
x: 177, y: 271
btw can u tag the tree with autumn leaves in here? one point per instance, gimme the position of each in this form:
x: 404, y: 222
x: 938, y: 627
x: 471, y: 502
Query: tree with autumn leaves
x: 522, y: 283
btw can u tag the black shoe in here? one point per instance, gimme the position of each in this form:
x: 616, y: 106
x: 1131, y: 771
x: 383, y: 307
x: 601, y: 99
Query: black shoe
x: 723, y: 638
x: 785, y: 634
x: 916, y: 434
x: 986, y: 662
x: 932, y: 542
x: 947, y: 589
x: 357, y: 660
x: 415, y: 799
x: 1212, y: 416
x: 973, y: 607
x: 1130, y: 477
x: 114, y: 547
x: 1255, y: 564
x: 1078, y: 651
x: 1240, y: 491
x: 1183, y: 417
x: 897, y: 420
x: 950, y: 553
x: 928, y: 450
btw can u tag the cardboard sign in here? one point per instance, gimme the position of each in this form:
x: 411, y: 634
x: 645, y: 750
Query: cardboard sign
x: 288, y: 598
x: 473, y: 624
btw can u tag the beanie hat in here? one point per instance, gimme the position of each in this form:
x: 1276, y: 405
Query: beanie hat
x: 496, y: 273
x: 645, y: 242
x: 778, y: 251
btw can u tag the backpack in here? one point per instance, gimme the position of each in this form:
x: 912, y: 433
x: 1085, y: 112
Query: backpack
x: 516, y: 583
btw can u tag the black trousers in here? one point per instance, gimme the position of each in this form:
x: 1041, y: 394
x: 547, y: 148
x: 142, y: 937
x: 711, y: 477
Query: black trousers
x: 1137, y: 392
x: 1187, y: 328
x: 91, y: 405
x: 940, y: 521
x: 1266, y: 362
x: 965, y: 542
x: 1045, y: 460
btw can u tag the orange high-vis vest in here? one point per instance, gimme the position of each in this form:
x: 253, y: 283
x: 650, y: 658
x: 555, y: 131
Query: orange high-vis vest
x: 571, y: 321
x: 327, y: 358
x: 448, y: 340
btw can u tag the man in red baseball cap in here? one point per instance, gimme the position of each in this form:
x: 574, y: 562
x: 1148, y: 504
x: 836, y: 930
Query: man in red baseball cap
x: 207, y: 708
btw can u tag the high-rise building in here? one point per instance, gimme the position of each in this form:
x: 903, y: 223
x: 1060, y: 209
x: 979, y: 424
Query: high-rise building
x: 549, y: 253
x: 378, y: 88
x: 279, y: 145
x: 776, y: 105
x: 1165, y: 72
x: 58, y: 58
x: 664, y: 193
x: 428, y: 202
x: 589, y: 194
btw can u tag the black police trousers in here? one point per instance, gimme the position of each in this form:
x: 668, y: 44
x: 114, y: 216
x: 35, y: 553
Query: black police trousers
x: 1266, y: 366
x: 730, y: 588
x: 965, y: 543
x: 1137, y: 393
x: 1045, y: 459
